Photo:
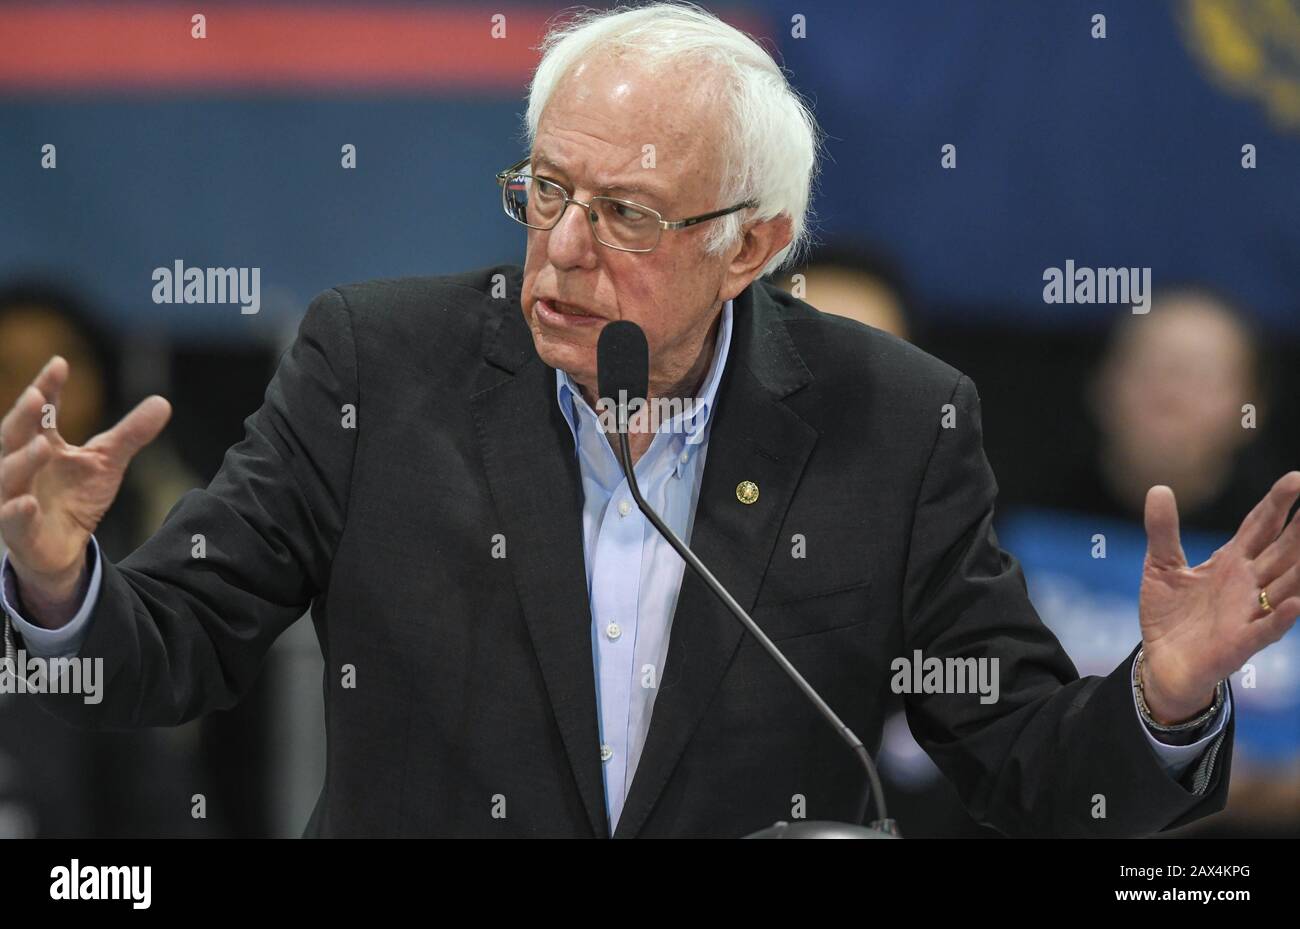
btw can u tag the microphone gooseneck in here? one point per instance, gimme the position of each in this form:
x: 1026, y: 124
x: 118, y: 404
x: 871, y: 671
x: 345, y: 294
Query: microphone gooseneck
x: 623, y: 376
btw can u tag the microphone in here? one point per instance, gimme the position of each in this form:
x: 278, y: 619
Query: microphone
x: 623, y: 375
x: 622, y: 366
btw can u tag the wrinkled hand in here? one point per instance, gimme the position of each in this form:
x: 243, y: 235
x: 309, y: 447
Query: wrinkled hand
x: 1201, y: 624
x: 52, y: 494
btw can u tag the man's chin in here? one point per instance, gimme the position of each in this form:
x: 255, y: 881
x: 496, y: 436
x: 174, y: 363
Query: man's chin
x: 579, y: 361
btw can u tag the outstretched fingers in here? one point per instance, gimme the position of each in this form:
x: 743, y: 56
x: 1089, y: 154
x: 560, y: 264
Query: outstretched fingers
x: 1264, y: 523
x: 136, y: 429
x: 29, y: 414
x: 1281, y: 555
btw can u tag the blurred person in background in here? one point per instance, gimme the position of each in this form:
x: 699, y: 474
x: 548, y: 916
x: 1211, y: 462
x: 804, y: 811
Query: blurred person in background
x: 56, y: 780
x: 857, y: 282
x: 1169, y: 402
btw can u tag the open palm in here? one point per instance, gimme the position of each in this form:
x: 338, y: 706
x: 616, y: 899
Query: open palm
x: 1202, y: 623
x: 53, y: 494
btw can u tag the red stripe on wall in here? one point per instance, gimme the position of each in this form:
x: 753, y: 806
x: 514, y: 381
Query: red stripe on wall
x: 148, y: 45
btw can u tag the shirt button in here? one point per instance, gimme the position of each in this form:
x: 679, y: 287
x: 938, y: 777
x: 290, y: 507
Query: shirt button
x: 624, y: 508
x: 606, y: 753
x: 613, y: 631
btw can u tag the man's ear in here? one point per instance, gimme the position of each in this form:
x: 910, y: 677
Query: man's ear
x: 758, y: 243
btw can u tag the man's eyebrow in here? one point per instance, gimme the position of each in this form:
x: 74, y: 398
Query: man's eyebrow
x: 541, y: 161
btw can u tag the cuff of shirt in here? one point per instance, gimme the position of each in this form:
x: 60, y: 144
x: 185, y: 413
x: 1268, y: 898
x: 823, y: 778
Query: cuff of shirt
x: 1176, y: 759
x: 66, y: 641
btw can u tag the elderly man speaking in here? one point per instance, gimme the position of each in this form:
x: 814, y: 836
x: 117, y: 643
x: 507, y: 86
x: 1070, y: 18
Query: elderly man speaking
x: 511, y: 648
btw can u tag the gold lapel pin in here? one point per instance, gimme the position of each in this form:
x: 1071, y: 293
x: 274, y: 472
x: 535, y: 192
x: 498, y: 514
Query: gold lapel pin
x: 746, y: 492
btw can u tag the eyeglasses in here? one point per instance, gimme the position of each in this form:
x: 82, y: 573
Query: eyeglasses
x: 539, y: 203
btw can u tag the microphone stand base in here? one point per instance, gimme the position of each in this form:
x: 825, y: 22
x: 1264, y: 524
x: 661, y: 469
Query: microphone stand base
x: 823, y: 829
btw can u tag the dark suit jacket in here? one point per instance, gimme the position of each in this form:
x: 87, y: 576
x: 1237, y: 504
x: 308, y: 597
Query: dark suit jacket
x: 471, y: 676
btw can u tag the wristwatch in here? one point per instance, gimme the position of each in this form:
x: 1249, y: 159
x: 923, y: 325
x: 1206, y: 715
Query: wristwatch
x: 1196, y: 722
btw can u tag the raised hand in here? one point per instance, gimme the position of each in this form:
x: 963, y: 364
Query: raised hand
x: 1201, y: 624
x: 53, y: 495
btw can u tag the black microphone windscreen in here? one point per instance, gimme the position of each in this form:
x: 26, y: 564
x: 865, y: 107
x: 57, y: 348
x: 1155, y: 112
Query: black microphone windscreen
x: 622, y: 361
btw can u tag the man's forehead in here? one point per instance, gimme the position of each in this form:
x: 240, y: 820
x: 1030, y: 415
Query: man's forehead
x: 632, y: 178
x: 647, y: 147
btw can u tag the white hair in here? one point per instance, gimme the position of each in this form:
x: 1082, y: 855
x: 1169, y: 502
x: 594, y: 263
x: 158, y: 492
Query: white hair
x: 770, y: 140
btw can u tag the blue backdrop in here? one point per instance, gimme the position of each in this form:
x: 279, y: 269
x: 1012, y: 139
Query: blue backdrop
x: 1119, y: 151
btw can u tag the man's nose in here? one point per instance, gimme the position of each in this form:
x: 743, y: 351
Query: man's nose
x: 572, y: 242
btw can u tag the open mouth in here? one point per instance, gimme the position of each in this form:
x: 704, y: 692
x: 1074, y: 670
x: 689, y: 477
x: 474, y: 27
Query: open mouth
x: 568, y: 309
x: 554, y: 312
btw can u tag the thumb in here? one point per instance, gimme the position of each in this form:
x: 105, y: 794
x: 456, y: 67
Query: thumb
x: 1161, y: 518
x: 137, y: 429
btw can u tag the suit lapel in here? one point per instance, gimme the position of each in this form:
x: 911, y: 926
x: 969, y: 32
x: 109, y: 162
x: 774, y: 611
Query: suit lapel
x: 533, y: 476
x: 753, y: 436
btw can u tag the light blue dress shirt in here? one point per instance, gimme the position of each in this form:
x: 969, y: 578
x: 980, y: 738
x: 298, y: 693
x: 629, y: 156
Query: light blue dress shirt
x: 633, y: 575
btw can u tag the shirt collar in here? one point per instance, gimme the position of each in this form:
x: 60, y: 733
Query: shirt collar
x: 695, y: 418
